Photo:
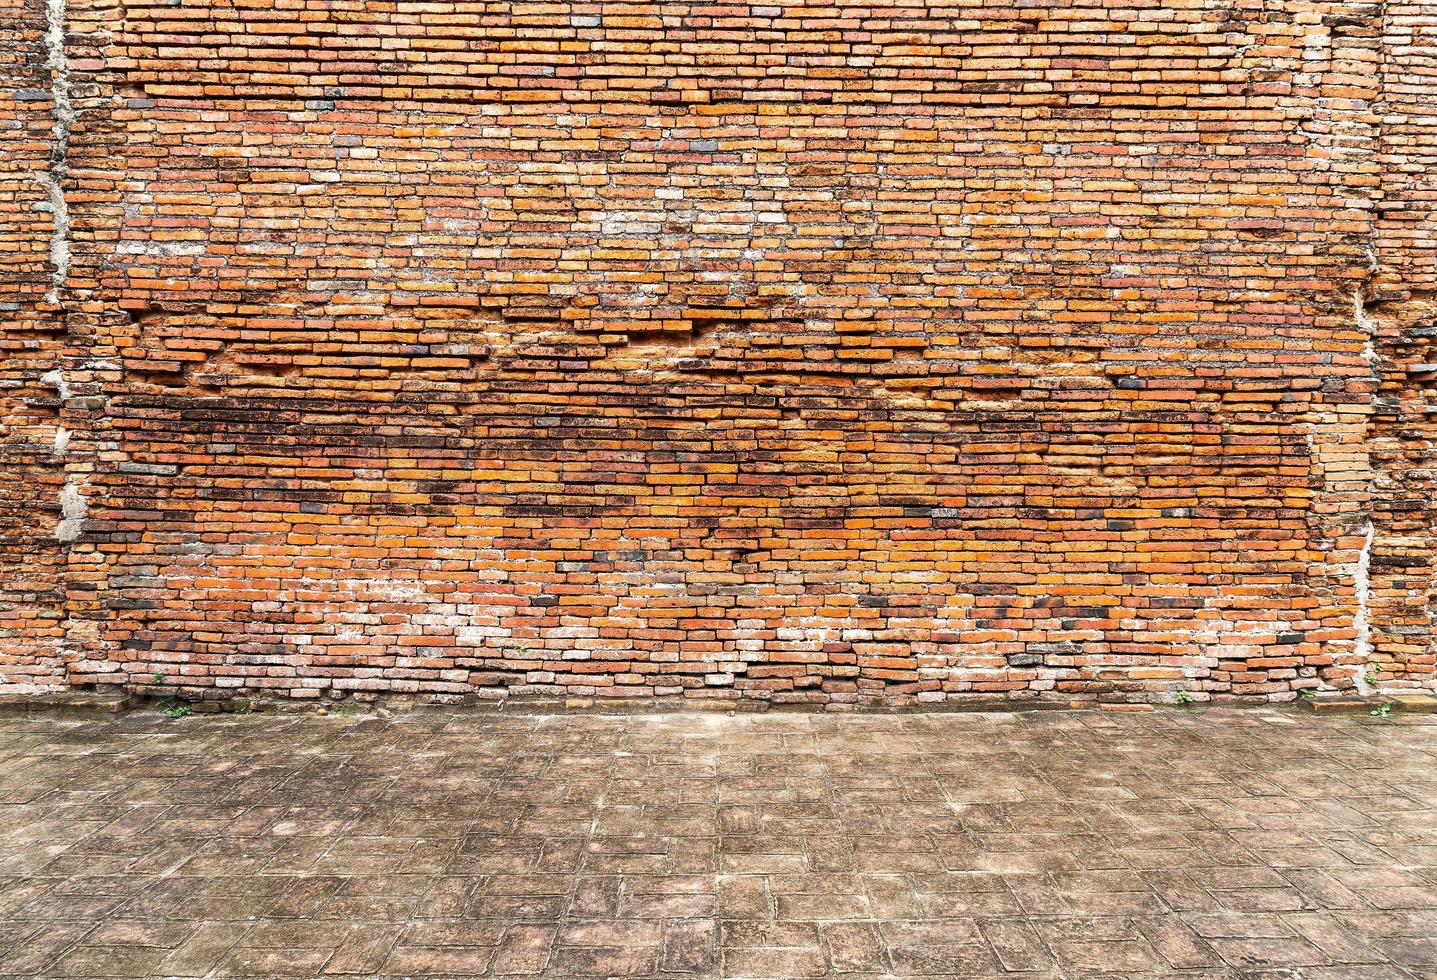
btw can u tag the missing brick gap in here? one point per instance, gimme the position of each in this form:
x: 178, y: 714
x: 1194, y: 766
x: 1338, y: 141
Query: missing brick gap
x: 73, y: 510
x: 54, y: 178
x: 1366, y: 325
x: 1361, y: 587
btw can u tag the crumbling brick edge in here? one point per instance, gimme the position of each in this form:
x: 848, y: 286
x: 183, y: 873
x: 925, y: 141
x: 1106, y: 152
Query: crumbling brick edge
x: 113, y: 703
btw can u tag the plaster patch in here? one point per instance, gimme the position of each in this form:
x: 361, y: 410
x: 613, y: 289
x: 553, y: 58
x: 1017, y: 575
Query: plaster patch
x: 73, y: 510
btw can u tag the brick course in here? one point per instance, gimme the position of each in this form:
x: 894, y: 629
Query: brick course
x: 798, y: 352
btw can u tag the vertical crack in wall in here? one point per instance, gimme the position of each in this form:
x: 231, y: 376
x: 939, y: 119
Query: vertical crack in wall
x: 1362, y: 576
x: 54, y: 178
x: 74, y: 508
x: 1367, y: 326
x: 1362, y: 587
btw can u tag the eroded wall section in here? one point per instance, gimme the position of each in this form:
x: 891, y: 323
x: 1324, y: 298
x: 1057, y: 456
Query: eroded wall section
x: 806, y: 353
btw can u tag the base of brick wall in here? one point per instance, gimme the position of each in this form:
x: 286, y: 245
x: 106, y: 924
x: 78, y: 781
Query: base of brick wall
x: 643, y: 700
x: 111, y: 702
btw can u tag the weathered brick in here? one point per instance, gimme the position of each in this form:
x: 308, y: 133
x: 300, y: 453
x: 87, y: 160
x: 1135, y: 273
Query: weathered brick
x: 794, y: 354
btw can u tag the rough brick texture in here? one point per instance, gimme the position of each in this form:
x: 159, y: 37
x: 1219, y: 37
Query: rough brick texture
x: 815, y: 353
x: 31, y: 340
x: 1401, y: 307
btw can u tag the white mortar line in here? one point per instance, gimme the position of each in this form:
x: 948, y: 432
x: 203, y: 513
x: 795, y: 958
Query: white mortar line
x: 1361, y: 586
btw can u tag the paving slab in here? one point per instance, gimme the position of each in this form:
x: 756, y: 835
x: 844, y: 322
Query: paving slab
x: 1254, y: 843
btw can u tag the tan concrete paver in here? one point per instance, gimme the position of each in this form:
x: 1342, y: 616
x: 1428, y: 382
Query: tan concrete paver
x: 1201, y: 844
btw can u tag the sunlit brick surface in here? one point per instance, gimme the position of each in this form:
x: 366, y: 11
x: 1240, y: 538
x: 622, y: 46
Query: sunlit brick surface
x: 797, y: 352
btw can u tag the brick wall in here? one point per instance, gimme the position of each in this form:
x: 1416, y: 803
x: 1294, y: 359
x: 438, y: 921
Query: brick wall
x: 31, y: 337
x: 796, y: 352
x: 1401, y: 309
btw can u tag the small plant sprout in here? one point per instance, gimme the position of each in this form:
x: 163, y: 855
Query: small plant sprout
x: 158, y: 678
x: 1306, y: 694
x: 1185, y: 698
x: 1382, y: 710
x: 178, y: 711
x: 346, y: 710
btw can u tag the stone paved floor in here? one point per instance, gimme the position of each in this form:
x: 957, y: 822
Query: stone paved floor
x: 1217, y: 844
